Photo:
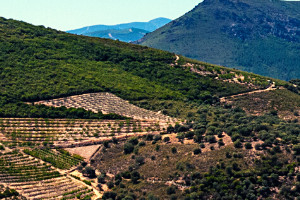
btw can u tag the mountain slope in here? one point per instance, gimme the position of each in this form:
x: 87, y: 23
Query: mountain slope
x: 124, y: 32
x: 258, y: 36
x: 125, y: 35
x: 215, y: 152
x: 38, y: 63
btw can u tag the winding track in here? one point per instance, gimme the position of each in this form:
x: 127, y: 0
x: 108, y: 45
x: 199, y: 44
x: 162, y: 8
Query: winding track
x: 270, y: 88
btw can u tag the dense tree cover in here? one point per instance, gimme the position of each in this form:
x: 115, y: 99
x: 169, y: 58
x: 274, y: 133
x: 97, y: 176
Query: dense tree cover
x: 38, y: 63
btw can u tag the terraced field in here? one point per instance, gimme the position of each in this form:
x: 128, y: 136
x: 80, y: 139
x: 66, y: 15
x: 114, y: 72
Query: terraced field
x: 106, y: 103
x: 56, y: 158
x: 16, y: 167
x: 30, y: 131
x: 56, y: 188
x: 36, y: 180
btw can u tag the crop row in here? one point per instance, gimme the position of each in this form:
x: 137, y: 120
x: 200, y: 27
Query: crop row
x: 55, y: 188
x: 106, y: 103
x: 23, y: 132
x: 56, y: 158
x: 15, y: 167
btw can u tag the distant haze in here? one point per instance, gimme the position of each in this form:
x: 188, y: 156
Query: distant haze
x: 67, y: 14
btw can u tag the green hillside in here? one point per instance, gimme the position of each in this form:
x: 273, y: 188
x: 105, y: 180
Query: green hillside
x: 38, y: 63
x: 210, y: 149
x: 258, y: 36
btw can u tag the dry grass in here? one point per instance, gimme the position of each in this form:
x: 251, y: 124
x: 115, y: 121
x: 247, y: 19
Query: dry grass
x: 113, y: 160
x: 285, y: 102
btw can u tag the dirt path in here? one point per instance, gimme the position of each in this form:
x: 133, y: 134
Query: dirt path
x: 270, y: 88
x: 169, y: 183
x: 177, y: 59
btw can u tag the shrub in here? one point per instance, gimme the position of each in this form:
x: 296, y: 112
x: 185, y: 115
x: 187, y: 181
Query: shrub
x: 211, y: 139
x: 197, y: 151
x: 221, y: 143
x: 189, y: 135
x: 128, y: 148
x: 133, y: 140
x: 136, y: 151
x: 171, y: 190
x: 135, y: 176
x: 157, y: 137
x: 166, y: 139
x: 228, y: 155
x: 235, y: 167
x: 89, y: 172
x: 220, y: 134
x: 157, y: 147
x: 296, y: 149
x: 170, y: 129
x: 257, y: 147
x: 109, y: 195
x: 106, y: 144
x: 101, y: 179
x: 202, y: 145
x: 140, y: 160
x: 110, y: 185
x: 238, y: 144
x: 149, y: 137
x: 141, y: 144
x: 174, y: 150
x: 115, y: 140
x: 248, y: 145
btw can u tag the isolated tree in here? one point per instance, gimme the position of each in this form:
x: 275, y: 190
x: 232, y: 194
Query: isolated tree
x: 89, y: 172
x: 128, y: 148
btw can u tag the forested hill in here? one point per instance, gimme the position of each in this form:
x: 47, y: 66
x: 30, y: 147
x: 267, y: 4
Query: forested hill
x: 259, y: 36
x: 40, y: 63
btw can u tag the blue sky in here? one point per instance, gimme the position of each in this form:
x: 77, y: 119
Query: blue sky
x: 71, y: 14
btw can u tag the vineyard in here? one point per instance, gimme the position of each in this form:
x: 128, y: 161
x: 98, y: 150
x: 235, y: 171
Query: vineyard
x: 16, y: 167
x: 34, y: 131
x: 55, y: 188
x: 37, y: 180
x: 106, y: 103
x: 59, y: 159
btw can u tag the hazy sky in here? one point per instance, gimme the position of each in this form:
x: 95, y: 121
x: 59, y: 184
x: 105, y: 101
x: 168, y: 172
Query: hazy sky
x: 71, y: 14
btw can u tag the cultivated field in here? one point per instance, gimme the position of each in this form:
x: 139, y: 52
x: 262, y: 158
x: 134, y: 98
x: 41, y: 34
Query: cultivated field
x: 106, y: 103
x: 37, y: 180
x: 34, y: 131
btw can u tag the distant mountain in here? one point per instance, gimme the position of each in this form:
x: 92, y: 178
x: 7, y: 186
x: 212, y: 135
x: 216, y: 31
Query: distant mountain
x: 123, y: 32
x: 260, y: 36
x: 125, y: 35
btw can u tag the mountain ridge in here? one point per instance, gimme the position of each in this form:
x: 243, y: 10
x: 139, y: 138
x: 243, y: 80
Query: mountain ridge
x: 126, y: 32
x: 256, y: 36
x: 147, y: 26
